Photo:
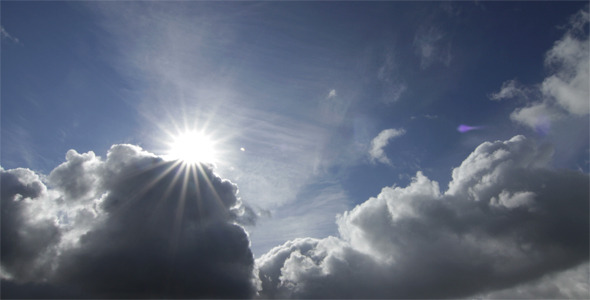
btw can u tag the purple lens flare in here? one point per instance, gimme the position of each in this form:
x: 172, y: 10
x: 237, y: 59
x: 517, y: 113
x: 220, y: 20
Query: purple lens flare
x: 465, y: 128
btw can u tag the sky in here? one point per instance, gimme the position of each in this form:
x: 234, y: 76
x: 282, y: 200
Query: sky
x: 197, y: 149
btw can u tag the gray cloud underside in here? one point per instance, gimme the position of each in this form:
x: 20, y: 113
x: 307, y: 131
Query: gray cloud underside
x: 119, y: 227
x: 130, y: 226
x: 506, y: 219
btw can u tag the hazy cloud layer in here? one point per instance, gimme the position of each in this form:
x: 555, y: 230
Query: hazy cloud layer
x: 129, y: 226
x: 566, y: 91
x: 388, y: 75
x: 432, y: 45
x: 506, y: 219
x: 376, y: 152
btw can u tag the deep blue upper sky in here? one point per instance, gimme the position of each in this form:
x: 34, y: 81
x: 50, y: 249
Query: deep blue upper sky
x: 304, y: 87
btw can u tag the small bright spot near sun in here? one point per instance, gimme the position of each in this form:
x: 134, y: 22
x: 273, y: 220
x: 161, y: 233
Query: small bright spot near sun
x: 242, y: 149
x: 192, y: 147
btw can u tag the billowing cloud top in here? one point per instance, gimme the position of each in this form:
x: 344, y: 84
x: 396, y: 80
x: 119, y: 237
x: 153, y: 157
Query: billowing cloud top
x: 507, y: 218
x: 132, y: 225
x: 135, y: 226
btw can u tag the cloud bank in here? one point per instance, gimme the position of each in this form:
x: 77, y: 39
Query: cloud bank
x: 135, y: 226
x: 506, y: 219
x: 128, y: 226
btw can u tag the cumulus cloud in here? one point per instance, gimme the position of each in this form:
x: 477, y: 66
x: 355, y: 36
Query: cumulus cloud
x: 129, y: 226
x: 376, y: 152
x: 29, y: 238
x: 507, y: 219
x: 565, y: 92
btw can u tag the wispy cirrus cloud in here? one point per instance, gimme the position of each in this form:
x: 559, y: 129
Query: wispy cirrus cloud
x: 432, y: 46
x: 388, y: 75
x: 7, y: 36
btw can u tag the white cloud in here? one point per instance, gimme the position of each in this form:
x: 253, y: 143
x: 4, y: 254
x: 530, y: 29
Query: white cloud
x: 511, y: 89
x: 506, y: 220
x: 332, y: 93
x: 563, y: 94
x: 569, y: 58
x: 538, y: 116
x: 130, y: 225
x: 380, y: 142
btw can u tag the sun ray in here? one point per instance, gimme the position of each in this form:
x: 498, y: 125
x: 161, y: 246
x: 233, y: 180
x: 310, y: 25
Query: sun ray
x: 145, y: 189
x: 179, y: 213
x: 213, y: 190
x: 195, y: 173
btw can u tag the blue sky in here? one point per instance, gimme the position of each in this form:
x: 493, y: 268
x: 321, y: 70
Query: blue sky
x: 296, y: 94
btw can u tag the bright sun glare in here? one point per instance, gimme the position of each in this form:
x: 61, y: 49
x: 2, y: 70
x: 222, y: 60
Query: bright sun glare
x: 192, y: 147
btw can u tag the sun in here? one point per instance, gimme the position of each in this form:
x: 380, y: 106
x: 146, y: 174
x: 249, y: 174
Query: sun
x: 192, y: 147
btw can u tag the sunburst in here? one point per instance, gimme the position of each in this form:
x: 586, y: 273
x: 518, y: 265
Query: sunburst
x: 192, y: 147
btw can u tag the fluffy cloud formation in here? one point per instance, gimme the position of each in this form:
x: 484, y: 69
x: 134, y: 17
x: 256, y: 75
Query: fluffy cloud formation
x: 506, y: 219
x: 130, y: 226
x: 566, y: 91
x: 376, y: 152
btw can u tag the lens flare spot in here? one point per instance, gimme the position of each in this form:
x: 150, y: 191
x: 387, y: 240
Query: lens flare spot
x: 465, y: 128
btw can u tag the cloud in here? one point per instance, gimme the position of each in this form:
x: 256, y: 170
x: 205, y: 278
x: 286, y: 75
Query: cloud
x: 27, y: 239
x: 506, y: 220
x: 6, y: 36
x: 380, y: 141
x: 432, y: 45
x: 565, y: 92
x: 128, y: 226
x: 511, y: 89
x: 569, y: 284
x: 332, y: 94
x: 393, y: 87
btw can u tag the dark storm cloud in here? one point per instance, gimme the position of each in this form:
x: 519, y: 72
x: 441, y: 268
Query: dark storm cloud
x: 131, y: 226
x: 506, y: 219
